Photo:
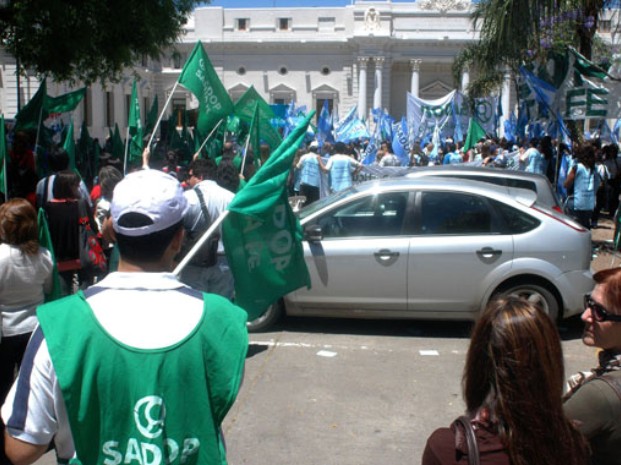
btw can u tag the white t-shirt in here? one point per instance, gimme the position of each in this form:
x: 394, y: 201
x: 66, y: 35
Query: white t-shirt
x: 23, y: 280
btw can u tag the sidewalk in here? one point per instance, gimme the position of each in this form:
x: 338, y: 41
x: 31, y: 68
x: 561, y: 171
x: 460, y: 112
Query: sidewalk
x: 602, y: 238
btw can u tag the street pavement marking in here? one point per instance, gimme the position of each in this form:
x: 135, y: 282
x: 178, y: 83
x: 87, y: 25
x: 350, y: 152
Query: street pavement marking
x: 429, y: 352
x: 326, y: 353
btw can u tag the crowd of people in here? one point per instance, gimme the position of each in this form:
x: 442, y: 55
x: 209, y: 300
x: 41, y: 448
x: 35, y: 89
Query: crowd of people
x: 95, y: 363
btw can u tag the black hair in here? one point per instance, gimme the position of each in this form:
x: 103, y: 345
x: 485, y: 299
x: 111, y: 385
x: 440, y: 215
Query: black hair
x: 109, y: 177
x: 204, y: 168
x: 148, y: 248
x: 66, y: 185
x: 227, y: 175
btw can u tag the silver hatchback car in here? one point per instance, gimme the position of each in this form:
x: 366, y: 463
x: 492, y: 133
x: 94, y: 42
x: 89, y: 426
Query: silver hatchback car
x: 436, y: 248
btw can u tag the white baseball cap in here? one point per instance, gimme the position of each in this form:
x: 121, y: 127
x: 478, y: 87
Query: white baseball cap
x: 151, y: 193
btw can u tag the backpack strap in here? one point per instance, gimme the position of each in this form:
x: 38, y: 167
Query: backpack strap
x: 201, y: 199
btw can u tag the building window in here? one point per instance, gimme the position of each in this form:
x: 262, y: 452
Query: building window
x: 326, y: 24
x: 145, y: 106
x: 87, y: 107
x: 605, y: 25
x: 178, y: 105
x: 109, y: 109
x: 280, y: 101
x: 243, y: 24
x: 128, y: 104
x: 145, y: 60
x: 325, y: 70
x: 284, y: 24
x: 283, y: 70
x: 241, y: 70
x: 176, y: 59
x: 319, y: 105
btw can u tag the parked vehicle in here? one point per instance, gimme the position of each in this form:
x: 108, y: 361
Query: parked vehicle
x: 435, y: 248
x: 502, y: 177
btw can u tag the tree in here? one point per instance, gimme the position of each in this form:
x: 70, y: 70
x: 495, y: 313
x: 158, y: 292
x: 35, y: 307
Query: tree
x: 89, y: 40
x: 516, y: 32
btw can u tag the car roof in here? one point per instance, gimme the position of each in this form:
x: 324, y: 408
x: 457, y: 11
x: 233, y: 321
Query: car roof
x: 545, y: 192
x: 524, y: 196
x: 460, y: 169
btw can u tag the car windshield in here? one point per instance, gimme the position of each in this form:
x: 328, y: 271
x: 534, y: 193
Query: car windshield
x: 319, y: 204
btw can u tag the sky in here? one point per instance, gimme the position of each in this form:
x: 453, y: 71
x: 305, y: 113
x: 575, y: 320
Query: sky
x: 281, y: 3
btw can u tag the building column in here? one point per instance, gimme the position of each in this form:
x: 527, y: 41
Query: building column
x: 415, y: 65
x: 505, y: 102
x: 465, y: 79
x: 362, y: 86
x: 377, y: 95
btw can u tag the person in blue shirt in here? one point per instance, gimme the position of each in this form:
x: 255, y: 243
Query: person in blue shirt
x: 310, y: 174
x: 342, y: 167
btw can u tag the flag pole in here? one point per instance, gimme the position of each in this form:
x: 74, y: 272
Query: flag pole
x: 38, y: 129
x: 208, y: 137
x: 159, y: 119
x: 243, y: 164
x: 206, y: 235
x: 126, y: 150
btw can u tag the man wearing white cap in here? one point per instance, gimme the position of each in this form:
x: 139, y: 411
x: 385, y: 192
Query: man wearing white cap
x: 139, y: 368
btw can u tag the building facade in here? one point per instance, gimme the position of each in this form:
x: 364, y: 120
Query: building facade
x: 369, y: 54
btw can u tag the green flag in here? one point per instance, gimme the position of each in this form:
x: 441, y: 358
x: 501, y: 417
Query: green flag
x: 135, y: 128
x: 152, y: 116
x: 69, y: 147
x: 65, y: 102
x: 45, y: 240
x: 41, y: 106
x: 199, y: 77
x: 3, y: 186
x: 32, y: 113
x: 475, y: 133
x: 246, y: 107
x: 262, y: 237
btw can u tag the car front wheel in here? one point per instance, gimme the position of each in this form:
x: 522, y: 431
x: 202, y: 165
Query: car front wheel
x: 268, y: 319
x: 535, y: 294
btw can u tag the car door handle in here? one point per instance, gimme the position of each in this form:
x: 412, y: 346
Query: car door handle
x: 385, y: 254
x: 488, y: 252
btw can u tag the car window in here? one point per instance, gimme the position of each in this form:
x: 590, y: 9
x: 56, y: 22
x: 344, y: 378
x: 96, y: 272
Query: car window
x: 374, y: 215
x: 455, y: 213
x: 515, y: 221
x: 503, y: 181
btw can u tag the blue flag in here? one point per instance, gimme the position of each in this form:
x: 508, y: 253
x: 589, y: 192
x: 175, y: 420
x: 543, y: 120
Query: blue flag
x: 400, y: 145
x: 324, y: 125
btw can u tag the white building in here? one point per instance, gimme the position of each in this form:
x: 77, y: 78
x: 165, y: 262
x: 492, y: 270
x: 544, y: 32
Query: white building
x: 369, y: 53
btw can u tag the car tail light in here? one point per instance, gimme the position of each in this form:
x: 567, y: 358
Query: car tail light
x: 556, y: 208
x: 561, y: 218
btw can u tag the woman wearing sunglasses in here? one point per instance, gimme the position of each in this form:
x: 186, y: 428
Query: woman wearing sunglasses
x: 594, y: 398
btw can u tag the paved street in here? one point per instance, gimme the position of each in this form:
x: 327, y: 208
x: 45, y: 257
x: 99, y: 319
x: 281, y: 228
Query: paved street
x: 353, y: 392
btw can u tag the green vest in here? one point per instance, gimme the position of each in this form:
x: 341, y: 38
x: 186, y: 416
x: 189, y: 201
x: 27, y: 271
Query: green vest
x: 146, y: 406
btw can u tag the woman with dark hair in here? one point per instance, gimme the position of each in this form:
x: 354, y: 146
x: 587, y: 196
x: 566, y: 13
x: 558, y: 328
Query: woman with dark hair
x: 594, y: 397
x: 585, y: 182
x: 63, y: 216
x: 512, y: 385
x: 25, y: 277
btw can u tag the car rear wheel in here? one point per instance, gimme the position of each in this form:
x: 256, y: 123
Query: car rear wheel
x: 268, y: 319
x: 535, y: 294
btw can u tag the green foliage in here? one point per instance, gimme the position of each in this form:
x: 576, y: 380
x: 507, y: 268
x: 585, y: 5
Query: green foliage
x: 90, y: 40
x: 517, y: 32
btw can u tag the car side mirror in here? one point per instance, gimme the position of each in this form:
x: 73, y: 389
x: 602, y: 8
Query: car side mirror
x: 313, y: 233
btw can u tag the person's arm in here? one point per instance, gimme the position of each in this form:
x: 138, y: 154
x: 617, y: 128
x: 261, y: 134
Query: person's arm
x: 22, y: 453
x: 146, y: 154
x: 324, y: 168
x: 570, y: 178
x: 592, y: 407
